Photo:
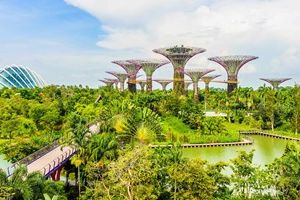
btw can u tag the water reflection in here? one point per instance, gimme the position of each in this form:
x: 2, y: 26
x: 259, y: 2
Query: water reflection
x: 266, y: 150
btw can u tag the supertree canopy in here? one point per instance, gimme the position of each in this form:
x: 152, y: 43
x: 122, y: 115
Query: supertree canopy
x: 149, y: 66
x: 179, y: 56
x: 114, y: 80
x: 207, y: 79
x: 195, y: 75
x: 131, y: 69
x: 108, y: 83
x: 121, y: 77
x: 163, y: 83
x: 232, y: 65
x: 275, y: 82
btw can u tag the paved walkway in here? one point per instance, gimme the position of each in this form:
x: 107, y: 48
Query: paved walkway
x: 51, y: 160
x: 55, y: 158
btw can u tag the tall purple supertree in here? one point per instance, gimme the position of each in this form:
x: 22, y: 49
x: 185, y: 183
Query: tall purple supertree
x: 121, y: 77
x: 232, y: 65
x: 207, y: 80
x: 163, y: 83
x: 114, y: 80
x: 195, y: 75
x: 179, y: 56
x: 275, y: 82
x: 131, y: 69
x: 149, y: 66
x: 108, y: 83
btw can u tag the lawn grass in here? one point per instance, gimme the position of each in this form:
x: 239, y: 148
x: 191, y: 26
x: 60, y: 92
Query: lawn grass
x: 234, y: 127
x: 283, y: 133
x: 175, y: 130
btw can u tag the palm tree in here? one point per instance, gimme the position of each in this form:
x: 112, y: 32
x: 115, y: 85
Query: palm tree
x: 47, y: 197
x: 77, y: 137
x: 19, y: 184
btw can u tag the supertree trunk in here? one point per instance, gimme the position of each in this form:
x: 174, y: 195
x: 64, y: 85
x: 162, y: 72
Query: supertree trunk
x: 206, y: 88
x: 164, y: 87
x: 121, y: 86
x: 178, y: 79
x: 196, y: 91
x: 231, y: 85
x: 132, y: 83
x: 149, y: 83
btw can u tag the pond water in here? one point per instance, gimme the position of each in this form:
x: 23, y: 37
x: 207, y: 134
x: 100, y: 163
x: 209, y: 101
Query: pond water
x: 266, y: 150
x: 3, y: 163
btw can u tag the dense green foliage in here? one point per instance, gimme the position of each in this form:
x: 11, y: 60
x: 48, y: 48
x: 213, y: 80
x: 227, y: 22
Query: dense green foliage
x: 28, y: 186
x: 118, y: 164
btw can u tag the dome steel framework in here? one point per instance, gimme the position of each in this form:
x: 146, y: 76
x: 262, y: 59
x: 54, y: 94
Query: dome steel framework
x: 20, y: 77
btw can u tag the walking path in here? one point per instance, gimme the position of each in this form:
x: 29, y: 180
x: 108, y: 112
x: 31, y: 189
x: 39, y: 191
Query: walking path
x: 244, y: 142
x: 52, y: 159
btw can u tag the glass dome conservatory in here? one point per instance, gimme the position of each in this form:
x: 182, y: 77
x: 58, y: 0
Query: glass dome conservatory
x: 20, y: 77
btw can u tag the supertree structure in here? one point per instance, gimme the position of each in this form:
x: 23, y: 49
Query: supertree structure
x: 149, y: 66
x: 232, y: 65
x: 275, y: 82
x: 108, y: 83
x: 187, y: 85
x: 163, y: 83
x: 121, y: 77
x: 179, y: 56
x: 207, y: 79
x: 131, y: 69
x: 142, y: 84
x: 195, y: 75
x: 114, y: 80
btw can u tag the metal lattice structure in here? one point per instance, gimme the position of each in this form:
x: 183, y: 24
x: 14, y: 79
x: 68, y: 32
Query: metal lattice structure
x: 187, y: 85
x: 164, y: 83
x: 142, y: 84
x: 20, y: 77
x: 149, y: 66
x: 131, y: 69
x: 207, y: 80
x: 108, y: 83
x: 179, y: 56
x: 232, y: 65
x: 195, y: 75
x: 121, y: 77
x: 115, y: 80
x: 275, y: 82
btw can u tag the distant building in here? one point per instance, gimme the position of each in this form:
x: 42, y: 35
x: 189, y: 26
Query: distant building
x: 19, y: 77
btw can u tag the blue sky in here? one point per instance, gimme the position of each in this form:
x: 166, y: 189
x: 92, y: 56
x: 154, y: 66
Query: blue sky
x: 73, y: 41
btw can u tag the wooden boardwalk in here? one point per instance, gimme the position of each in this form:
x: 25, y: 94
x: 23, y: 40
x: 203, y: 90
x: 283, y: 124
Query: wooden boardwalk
x: 224, y: 144
x: 256, y: 132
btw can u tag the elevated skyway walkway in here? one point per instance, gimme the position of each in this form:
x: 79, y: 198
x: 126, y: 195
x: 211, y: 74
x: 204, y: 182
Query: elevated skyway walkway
x: 50, y: 159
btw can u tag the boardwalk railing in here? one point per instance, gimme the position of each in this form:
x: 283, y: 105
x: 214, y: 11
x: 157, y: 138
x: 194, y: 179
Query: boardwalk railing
x: 57, y: 162
x: 32, y: 157
x: 258, y: 132
x: 224, y: 144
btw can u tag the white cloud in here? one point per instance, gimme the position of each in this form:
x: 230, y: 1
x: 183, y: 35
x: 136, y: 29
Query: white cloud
x: 223, y: 27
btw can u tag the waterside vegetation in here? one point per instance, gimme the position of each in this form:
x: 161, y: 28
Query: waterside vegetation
x: 118, y: 164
